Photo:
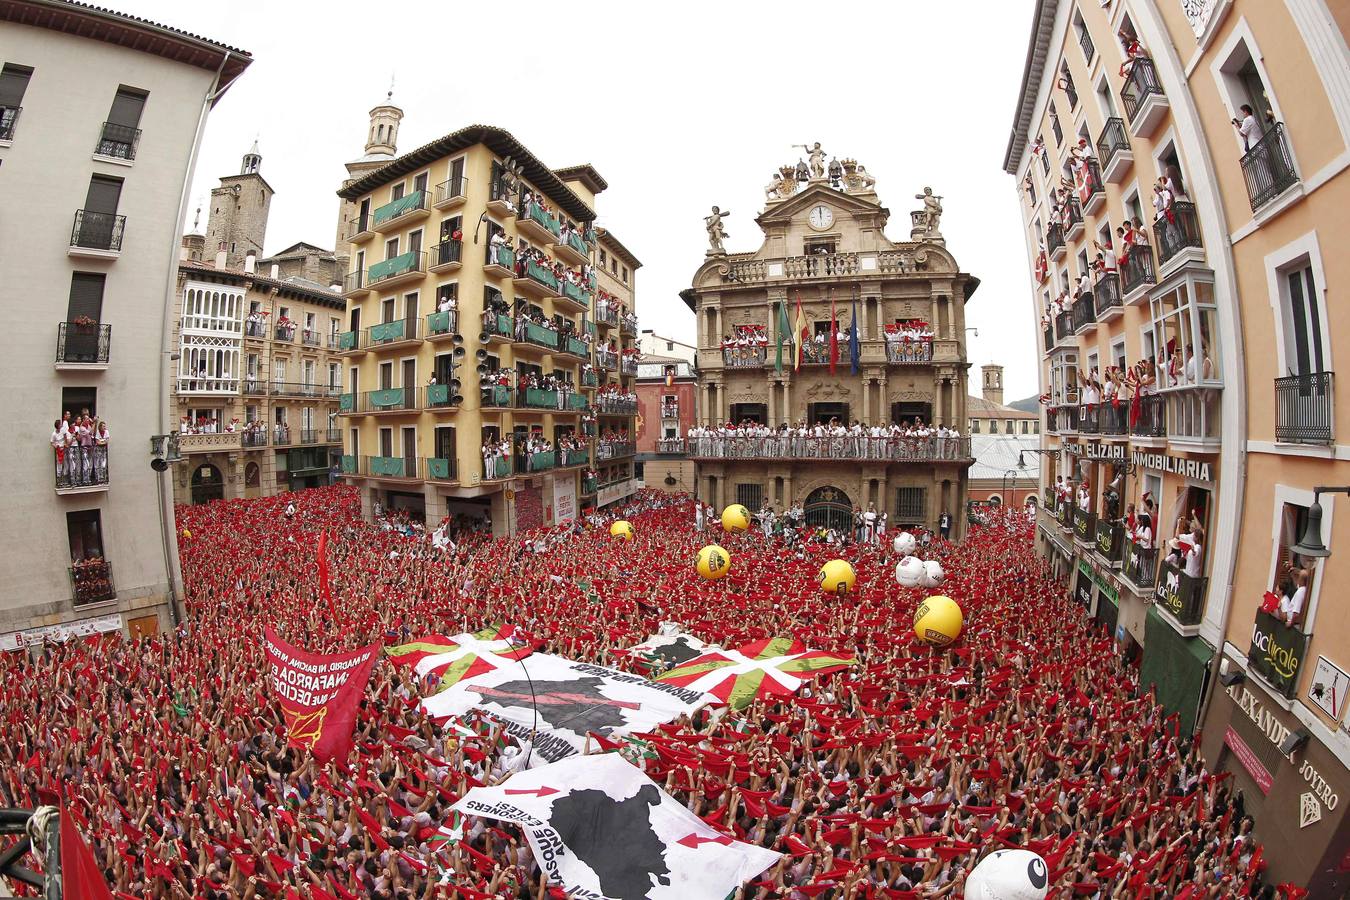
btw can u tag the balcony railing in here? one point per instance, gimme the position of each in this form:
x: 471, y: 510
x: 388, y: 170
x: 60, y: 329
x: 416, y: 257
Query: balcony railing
x: 535, y: 213
x: 91, y: 581
x: 300, y: 389
x: 614, y: 406
x: 1152, y: 418
x: 1084, y: 315
x: 497, y: 468
x: 590, y: 379
x: 259, y: 438
x: 607, y: 314
x: 1113, y: 419
x: 1085, y: 525
x: 82, y: 344
x: 441, y: 468
x: 1064, y: 516
x: 577, y: 456
x: 310, y: 338
x: 1052, y: 419
x: 589, y: 486
x: 534, y: 333
x: 496, y: 324
x: 1063, y: 326
x: 403, y: 264
x: 446, y: 253
x: 81, y: 468
x: 1277, y: 652
x: 309, y: 436
x: 1268, y: 167
x: 614, y: 449
x: 1137, y: 270
x: 1193, y: 413
x: 1054, y: 238
x: 285, y: 332
x: 98, y: 230
x: 452, y: 189
x: 1178, y: 232
x: 1180, y: 594
x: 389, y: 400
x: 443, y: 322
x: 1140, y: 85
x: 1075, y: 218
x: 1049, y: 334
x: 498, y: 396
x: 1114, y: 139
x: 396, y: 209
x: 332, y: 436
x: 391, y: 332
x: 541, y: 275
x: 1095, y: 187
x: 908, y: 353
x: 1085, y: 43
x: 538, y: 398
x: 1140, y: 565
x: 361, y: 224
x: 744, y: 357
x: 9, y: 121
x: 670, y: 445
x: 1303, y: 408
x: 255, y: 328
x: 1068, y: 418
x: 1110, y: 540
x: 1088, y: 418
x: 820, y: 264
x: 628, y: 365
x: 389, y: 467
x: 253, y: 386
x: 606, y: 359
x: 574, y: 346
x: 1106, y: 294
x: 118, y: 141
x: 891, y: 449
x: 576, y: 293
x: 628, y: 324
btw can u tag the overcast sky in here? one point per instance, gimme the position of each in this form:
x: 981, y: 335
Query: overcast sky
x: 679, y: 106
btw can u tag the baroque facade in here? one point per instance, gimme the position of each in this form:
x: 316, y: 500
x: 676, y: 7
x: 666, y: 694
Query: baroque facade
x: 824, y: 246
x: 1182, y: 172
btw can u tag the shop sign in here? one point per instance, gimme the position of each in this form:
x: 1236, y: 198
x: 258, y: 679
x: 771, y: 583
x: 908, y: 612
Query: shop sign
x: 1098, y: 579
x: 1309, y: 810
x: 1260, y: 774
x: 1083, y: 594
x: 61, y: 633
x: 1276, y: 732
x: 1277, y: 652
x: 1097, y: 452
x: 1197, y: 469
x: 1329, y: 687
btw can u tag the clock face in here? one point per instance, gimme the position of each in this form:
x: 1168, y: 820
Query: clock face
x: 820, y: 218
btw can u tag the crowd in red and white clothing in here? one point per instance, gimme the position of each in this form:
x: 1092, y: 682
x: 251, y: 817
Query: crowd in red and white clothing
x: 888, y: 779
x: 80, y: 449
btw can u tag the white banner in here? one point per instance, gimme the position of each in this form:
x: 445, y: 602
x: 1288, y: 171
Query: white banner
x: 602, y: 829
x: 564, y: 498
x: 571, y: 698
x: 667, y: 648
x: 16, y: 640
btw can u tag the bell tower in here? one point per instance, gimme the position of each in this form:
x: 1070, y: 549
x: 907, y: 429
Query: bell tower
x: 237, y: 221
x: 993, y: 383
x: 381, y: 148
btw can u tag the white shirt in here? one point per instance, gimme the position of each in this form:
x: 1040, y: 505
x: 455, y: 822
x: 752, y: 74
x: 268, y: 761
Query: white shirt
x: 1293, y: 606
x: 1250, y: 131
x: 1193, y: 559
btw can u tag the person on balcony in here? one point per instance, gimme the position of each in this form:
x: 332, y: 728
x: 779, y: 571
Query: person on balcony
x: 447, y: 302
x: 1143, y: 531
x: 1292, y: 604
x: 1105, y: 263
x: 1133, y: 51
x: 1248, y: 128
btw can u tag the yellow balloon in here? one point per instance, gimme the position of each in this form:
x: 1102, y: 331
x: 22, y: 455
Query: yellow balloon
x: 938, y: 620
x: 187, y: 533
x: 621, y: 529
x: 713, y: 562
x: 837, y: 577
x: 735, y: 518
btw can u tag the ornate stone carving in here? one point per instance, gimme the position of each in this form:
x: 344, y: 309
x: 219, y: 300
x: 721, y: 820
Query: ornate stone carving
x: 926, y: 220
x: 716, y: 233
x: 825, y: 390
x: 784, y: 184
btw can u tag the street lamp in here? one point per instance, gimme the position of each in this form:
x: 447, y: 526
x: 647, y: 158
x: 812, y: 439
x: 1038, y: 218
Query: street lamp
x: 1003, y: 485
x: 1310, y: 544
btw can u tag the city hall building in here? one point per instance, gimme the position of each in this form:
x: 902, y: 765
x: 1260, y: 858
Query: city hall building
x: 823, y: 247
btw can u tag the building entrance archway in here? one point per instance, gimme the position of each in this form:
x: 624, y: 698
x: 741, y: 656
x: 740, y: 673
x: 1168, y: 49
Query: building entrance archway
x: 207, y: 484
x: 829, y: 507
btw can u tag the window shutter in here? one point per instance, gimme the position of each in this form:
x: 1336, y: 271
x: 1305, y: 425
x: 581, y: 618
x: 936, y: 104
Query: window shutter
x: 13, y: 83
x: 126, y: 108
x: 86, y: 296
x: 103, y: 195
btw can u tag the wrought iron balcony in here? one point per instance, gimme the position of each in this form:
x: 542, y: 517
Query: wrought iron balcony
x: 1052, y: 419
x: 1137, y: 269
x: 442, y: 324
x: 1110, y: 540
x: 361, y: 227
x: 1084, y: 314
x: 575, y: 346
x: 1054, y: 238
x: 538, y: 280
x: 615, y: 406
x: 441, y: 468
x: 9, y: 121
x: 534, y: 333
x: 333, y: 436
x: 1142, y: 94
x: 309, y: 436
x: 670, y: 445
x: 1268, y: 167
x: 91, y: 581
x: 744, y: 357
x: 1140, y: 565
x: 118, y: 141
x: 389, y: 400
x: 907, y: 353
x: 411, y: 263
x: 535, y: 222
x: 1176, y: 233
x: 1180, y: 594
x: 628, y: 365
x: 1085, y: 43
x: 396, y: 210
x: 567, y: 458
x: 79, y: 344
x: 1113, y: 150
x: 390, y: 333
x: 285, y: 332
x: 255, y: 328
x: 1106, y: 296
x: 607, y: 314
x: 97, y: 231
x: 1049, y: 333
x: 497, y: 396
x: 1068, y: 418
x: 1085, y: 525
x: 497, y: 325
x: 614, y: 449
x: 297, y: 389
x: 1152, y: 420
x: 259, y: 438
x: 310, y: 338
x: 498, y: 468
x: 1277, y: 652
x: 451, y: 192
x: 843, y: 449
x: 1063, y: 326
x: 606, y: 359
x: 80, y: 469
x: 1088, y: 422
x: 1303, y: 408
x: 1113, y: 419
x: 445, y: 256
x: 398, y: 467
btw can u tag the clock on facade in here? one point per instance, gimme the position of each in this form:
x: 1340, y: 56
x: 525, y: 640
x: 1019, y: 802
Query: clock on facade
x: 820, y: 218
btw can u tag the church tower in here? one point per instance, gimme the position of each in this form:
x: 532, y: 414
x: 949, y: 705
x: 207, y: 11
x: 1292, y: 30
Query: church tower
x: 381, y: 148
x: 237, y: 222
x: 993, y: 383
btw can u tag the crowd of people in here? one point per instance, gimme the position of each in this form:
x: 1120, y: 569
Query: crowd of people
x: 890, y: 778
x: 80, y: 449
x: 833, y: 439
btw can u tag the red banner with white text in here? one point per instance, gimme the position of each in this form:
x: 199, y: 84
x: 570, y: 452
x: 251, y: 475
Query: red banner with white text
x: 319, y: 693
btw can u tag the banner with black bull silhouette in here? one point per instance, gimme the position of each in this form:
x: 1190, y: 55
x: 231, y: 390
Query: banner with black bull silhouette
x: 604, y: 831
x: 319, y: 693
x: 571, y: 699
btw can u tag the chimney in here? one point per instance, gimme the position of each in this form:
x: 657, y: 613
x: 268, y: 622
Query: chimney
x: 335, y: 287
x: 250, y: 263
x: 276, y: 271
x: 221, y: 256
x: 993, y: 384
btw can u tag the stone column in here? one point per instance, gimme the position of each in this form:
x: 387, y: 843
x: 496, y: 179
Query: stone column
x: 770, y: 387
x: 787, y: 399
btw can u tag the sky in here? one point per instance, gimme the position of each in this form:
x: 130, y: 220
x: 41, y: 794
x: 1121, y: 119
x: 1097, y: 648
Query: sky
x: 679, y: 107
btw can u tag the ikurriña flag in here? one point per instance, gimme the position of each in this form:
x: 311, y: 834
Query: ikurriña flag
x: 319, y: 693
x: 773, y: 667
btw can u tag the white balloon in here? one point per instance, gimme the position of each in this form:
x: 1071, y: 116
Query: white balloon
x: 1009, y: 875
x: 932, y: 573
x: 904, y: 543
x: 909, y: 572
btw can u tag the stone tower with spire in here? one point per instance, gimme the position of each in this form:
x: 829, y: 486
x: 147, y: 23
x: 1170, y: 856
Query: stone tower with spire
x: 237, y: 222
x: 381, y: 148
x: 993, y: 383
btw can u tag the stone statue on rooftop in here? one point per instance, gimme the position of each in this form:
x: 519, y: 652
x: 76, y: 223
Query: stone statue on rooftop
x: 716, y: 234
x: 817, y: 157
x: 931, y: 214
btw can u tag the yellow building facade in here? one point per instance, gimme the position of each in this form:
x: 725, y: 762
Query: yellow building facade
x: 484, y: 351
x: 1220, y: 131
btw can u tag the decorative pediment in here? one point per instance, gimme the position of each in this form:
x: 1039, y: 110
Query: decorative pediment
x: 814, y: 193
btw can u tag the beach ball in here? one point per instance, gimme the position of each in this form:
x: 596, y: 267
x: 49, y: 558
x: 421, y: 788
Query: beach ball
x: 932, y: 573
x: 938, y: 620
x: 1009, y: 875
x: 713, y: 562
x: 909, y: 572
x: 837, y: 577
x: 904, y: 543
x: 735, y: 518
x: 187, y: 535
x: 621, y: 529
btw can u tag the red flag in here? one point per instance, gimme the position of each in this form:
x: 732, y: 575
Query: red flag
x: 325, y: 589
x: 834, y: 335
x: 81, y: 878
x: 319, y: 693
